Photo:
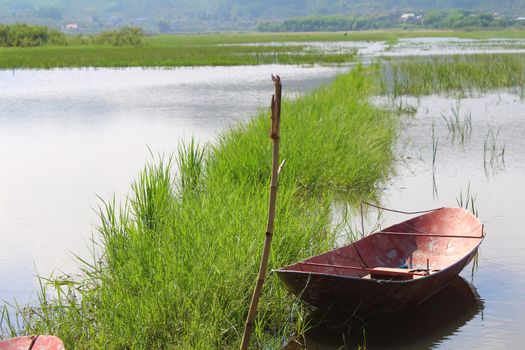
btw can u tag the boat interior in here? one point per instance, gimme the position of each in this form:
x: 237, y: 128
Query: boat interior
x: 412, y: 249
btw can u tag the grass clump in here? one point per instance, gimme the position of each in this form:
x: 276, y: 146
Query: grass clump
x: 125, y: 36
x: 460, y: 126
x: 457, y: 74
x: 176, y: 262
x: 24, y: 35
x: 493, y: 152
x: 467, y: 201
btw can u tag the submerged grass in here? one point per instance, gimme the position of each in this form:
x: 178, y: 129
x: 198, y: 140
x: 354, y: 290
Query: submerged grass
x: 467, y: 201
x: 493, y: 152
x: 459, y: 125
x: 176, y: 262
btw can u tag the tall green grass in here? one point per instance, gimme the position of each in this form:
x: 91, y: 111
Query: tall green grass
x: 175, y: 263
x: 459, y: 74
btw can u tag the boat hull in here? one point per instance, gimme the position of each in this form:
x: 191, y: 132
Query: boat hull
x: 324, y: 281
x: 363, y: 296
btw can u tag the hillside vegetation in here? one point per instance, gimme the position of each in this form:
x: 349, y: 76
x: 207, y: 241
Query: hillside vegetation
x: 206, y: 15
x: 23, y: 35
x: 434, y: 19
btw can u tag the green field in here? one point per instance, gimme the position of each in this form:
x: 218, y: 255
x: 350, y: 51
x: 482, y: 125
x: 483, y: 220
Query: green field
x: 214, y: 49
x: 172, y: 51
x: 150, y: 55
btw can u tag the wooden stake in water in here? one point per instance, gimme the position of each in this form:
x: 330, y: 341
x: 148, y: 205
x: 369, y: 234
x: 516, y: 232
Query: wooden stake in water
x: 274, y: 135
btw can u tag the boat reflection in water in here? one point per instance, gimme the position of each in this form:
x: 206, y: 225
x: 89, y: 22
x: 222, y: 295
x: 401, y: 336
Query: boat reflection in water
x: 419, y: 328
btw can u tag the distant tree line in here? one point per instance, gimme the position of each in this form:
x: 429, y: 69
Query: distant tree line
x: 23, y: 35
x: 464, y: 19
x: 222, y: 15
x: 324, y: 24
x: 432, y: 19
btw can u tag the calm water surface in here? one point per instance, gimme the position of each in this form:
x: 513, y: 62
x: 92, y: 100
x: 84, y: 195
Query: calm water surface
x: 412, y: 46
x: 485, y: 309
x: 499, y: 193
x: 67, y: 136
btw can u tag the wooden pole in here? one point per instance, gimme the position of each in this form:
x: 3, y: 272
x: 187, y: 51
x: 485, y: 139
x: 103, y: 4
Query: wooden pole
x: 274, y: 135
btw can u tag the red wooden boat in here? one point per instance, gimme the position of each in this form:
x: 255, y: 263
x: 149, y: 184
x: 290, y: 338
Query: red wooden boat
x: 391, y: 270
x: 35, y: 342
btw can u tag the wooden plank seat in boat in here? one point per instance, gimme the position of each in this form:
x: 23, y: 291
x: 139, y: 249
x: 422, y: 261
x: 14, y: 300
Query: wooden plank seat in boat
x: 378, y: 272
x: 381, y: 272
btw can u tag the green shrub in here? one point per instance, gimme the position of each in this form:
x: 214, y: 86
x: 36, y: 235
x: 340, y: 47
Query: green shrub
x: 125, y: 36
x: 23, y: 35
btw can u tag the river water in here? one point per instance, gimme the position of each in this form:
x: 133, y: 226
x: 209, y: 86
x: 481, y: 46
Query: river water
x: 498, y: 188
x: 485, y: 308
x: 67, y: 136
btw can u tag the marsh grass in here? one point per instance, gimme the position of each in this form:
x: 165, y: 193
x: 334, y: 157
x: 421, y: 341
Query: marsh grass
x: 403, y: 107
x: 475, y: 266
x: 467, y: 200
x: 435, y: 145
x: 152, y: 55
x: 177, y: 51
x: 458, y: 124
x: 213, y: 49
x: 174, y: 264
x: 457, y: 75
x: 190, y: 164
x: 493, y: 152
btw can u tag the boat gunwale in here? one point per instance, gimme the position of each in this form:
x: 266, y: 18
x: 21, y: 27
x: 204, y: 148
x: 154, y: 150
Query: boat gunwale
x: 379, y: 281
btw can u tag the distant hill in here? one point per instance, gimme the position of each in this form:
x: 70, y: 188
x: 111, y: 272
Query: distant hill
x: 217, y: 15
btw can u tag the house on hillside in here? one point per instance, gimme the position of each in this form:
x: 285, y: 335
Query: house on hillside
x: 71, y: 26
x: 411, y: 17
x: 405, y: 17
